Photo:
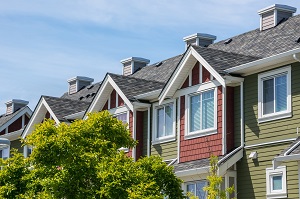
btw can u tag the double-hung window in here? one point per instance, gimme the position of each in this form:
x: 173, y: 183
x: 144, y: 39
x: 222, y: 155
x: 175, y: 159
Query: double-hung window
x: 164, y: 122
x: 122, y: 117
x: 274, y: 97
x: 202, y: 113
x: 196, y: 188
x: 276, y: 182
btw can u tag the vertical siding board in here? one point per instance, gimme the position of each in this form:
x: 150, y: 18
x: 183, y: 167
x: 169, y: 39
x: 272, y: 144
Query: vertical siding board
x: 237, y: 117
x: 195, y: 74
x: 205, y: 75
x: 145, y: 133
x: 139, y: 133
x: 229, y: 118
x: 113, y: 99
x: 105, y: 106
x: 120, y: 101
x: 186, y: 83
x: 130, y: 124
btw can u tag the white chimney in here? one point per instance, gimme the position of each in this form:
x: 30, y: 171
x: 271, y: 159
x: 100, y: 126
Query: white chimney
x: 132, y: 64
x: 14, y: 105
x: 78, y: 82
x: 199, y: 39
x: 274, y: 14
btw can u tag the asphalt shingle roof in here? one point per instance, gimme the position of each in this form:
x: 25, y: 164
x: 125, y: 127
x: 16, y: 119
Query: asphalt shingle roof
x: 62, y: 107
x: 86, y: 94
x: 160, y: 71
x: 5, y: 118
x: 293, y: 152
x: 264, y: 43
x: 132, y: 86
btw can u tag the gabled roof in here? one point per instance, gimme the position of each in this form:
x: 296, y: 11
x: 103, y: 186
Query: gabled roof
x: 292, y: 149
x: 265, y: 43
x: 86, y: 94
x: 160, y: 71
x: 221, y: 60
x: 132, y: 86
x: 63, y: 107
x: 6, y: 120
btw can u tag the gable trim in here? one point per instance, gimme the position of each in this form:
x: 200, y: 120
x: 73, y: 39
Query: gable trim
x: 190, y: 58
x: 26, y: 110
x: 97, y: 101
x: 35, y: 118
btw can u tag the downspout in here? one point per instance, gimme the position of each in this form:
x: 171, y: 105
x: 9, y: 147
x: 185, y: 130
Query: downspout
x: 224, y: 148
x: 242, y: 114
x: 148, y: 136
x: 134, y: 133
x: 178, y: 130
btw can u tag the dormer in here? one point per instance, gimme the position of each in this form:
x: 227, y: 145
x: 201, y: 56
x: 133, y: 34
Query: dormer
x: 14, y: 105
x: 77, y: 83
x: 199, y: 39
x: 273, y: 15
x: 132, y: 64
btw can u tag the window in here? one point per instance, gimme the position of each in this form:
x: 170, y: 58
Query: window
x: 196, y: 188
x: 5, y: 153
x: 122, y: 117
x: 202, y: 113
x: 274, y: 97
x: 276, y: 182
x: 164, y: 122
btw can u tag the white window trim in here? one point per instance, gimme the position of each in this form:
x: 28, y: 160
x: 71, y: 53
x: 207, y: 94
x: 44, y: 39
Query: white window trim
x: 279, y: 115
x: 5, y: 152
x: 278, y: 171
x: 200, y: 133
x: 193, y: 182
x: 164, y: 139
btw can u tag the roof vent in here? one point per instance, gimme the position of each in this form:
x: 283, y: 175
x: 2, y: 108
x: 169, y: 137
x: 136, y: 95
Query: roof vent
x: 298, y: 40
x: 272, y: 15
x: 132, y: 64
x: 158, y: 64
x: 78, y: 82
x: 199, y: 39
x: 228, y: 41
x: 14, y: 105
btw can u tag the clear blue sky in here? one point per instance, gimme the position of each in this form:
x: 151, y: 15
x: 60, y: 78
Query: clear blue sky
x: 44, y: 43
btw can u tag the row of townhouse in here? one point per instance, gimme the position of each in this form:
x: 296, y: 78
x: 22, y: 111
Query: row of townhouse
x: 238, y: 99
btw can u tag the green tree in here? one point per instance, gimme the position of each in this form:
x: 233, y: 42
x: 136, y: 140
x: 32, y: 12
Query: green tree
x: 214, y: 182
x: 82, y: 160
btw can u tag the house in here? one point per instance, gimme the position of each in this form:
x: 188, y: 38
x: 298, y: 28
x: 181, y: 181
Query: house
x: 12, y: 124
x: 67, y: 108
x: 236, y: 99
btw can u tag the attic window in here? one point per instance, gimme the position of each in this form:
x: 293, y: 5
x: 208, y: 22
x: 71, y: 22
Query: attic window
x: 91, y: 86
x: 228, y: 41
x: 298, y: 40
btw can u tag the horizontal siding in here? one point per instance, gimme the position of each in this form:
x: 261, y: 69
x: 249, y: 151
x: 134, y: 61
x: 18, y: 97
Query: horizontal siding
x: 166, y: 150
x: 72, y: 87
x: 251, y: 174
x: 268, y: 20
x: 127, y: 70
x: 274, y: 130
x: 237, y: 123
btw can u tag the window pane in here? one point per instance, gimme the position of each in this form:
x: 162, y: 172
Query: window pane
x: 277, y: 182
x: 190, y: 188
x: 122, y: 117
x: 195, y: 113
x: 281, y: 93
x: 268, y: 96
x: 169, y: 119
x: 199, y: 189
x: 208, y: 110
x: 231, y: 183
x: 160, y: 122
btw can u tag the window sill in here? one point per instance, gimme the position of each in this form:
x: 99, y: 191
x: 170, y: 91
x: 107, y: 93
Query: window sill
x: 276, y: 195
x: 273, y: 117
x: 200, y: 134
x: 163, y: 140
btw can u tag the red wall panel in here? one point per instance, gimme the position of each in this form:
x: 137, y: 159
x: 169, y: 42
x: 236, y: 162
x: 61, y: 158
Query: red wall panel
x: 113, y: 99
x: 229, y: 118
x: 195, y: 74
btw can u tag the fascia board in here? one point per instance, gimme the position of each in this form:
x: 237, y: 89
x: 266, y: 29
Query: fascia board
x: 191, y: 172
x: 208, y: 67
x: 174, y: 76
x: 13, y: 135
x: 35, y: 116
x: 26, y: 110
x: 230, y: 161
x: 252, y: 66
x: 77, y: 115
x: 149, y: 95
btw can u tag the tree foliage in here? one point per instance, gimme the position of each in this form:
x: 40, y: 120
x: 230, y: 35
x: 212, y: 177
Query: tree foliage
x: 82, y: 160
